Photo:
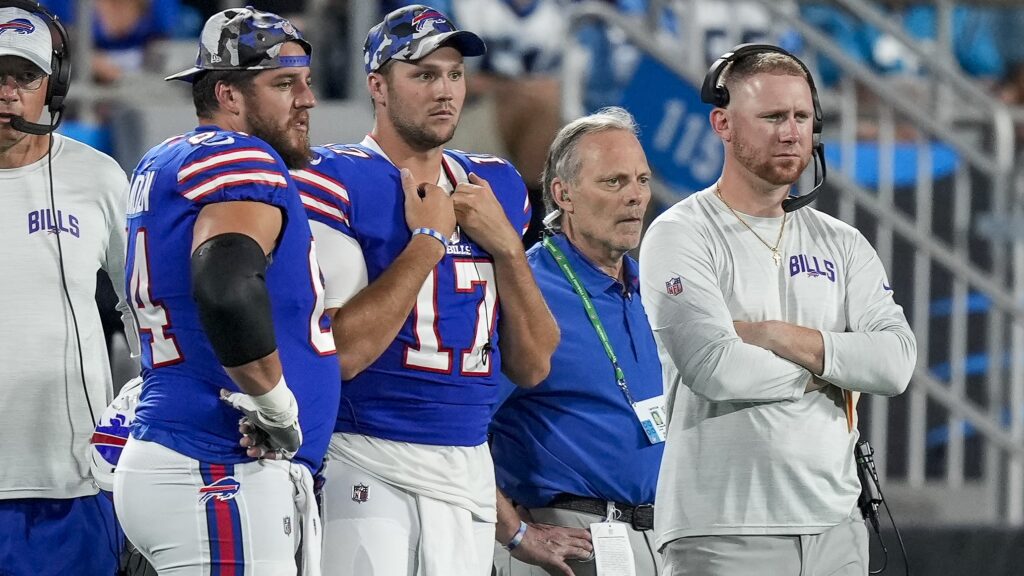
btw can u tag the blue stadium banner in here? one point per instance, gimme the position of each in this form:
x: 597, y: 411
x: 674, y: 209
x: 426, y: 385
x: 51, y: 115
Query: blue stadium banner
x: 674, y: 129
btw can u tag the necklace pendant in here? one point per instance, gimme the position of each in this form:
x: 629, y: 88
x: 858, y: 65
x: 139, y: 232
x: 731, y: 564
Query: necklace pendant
x: 776, y: 257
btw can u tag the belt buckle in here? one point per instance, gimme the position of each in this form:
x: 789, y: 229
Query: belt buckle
x: 636, y: 517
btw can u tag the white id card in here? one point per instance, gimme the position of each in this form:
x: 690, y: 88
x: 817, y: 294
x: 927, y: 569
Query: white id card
x: 651, y: 414
x: 612, y: 553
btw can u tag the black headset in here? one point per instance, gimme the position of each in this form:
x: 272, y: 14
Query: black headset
x: 60, y: 67
x: 714, y: 93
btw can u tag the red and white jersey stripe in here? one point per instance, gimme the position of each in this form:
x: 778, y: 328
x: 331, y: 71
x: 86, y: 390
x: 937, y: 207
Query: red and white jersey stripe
x: 322, y: 208
x: 230, y: 157
x: 329, y: 185
x: 227, y: 179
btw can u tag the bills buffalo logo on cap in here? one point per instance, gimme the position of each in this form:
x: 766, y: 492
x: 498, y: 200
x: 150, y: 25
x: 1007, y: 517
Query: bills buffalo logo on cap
x: 430, y: 15
x: 18, y: 26
x: 674, y: 286
x: 360, y: 493
x: 224, y: 489
x: 412, y: 32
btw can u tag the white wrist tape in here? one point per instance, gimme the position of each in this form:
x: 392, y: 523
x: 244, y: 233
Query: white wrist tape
x: 278, y: 403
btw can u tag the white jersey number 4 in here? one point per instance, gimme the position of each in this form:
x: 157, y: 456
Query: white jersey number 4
x: 151, y: 317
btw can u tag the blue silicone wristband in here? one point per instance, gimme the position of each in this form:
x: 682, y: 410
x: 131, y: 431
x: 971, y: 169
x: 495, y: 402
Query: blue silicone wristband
x: 433, y: 234
x: 518, y: 538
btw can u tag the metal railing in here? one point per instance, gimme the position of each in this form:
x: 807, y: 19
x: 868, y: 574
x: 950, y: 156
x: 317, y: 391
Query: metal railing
x: 961, y: 286
x: 952, y: 259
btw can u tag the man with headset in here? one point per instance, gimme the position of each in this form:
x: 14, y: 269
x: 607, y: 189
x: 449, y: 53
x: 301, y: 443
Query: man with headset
x: 770, y: 321
x: 62, y: 219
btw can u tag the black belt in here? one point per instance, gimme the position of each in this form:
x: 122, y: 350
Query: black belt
x: 639, y: 517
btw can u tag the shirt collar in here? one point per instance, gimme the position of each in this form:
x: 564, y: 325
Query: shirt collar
x: 443, y: 180
x: 371, y: 143
x: 593, y: 278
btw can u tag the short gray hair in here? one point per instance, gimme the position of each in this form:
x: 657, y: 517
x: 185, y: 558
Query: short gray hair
x: 563, y: 159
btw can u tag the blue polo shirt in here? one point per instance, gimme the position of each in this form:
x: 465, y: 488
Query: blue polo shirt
x: 575, y: 432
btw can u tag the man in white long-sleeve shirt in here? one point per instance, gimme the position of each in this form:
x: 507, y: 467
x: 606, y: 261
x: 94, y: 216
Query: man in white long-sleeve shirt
x: 769, y: 325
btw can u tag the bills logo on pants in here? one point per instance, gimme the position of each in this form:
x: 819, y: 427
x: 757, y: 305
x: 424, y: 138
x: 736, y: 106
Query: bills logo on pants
x: 222, y: 518
x: 223, y: 489
x: 211, y: 519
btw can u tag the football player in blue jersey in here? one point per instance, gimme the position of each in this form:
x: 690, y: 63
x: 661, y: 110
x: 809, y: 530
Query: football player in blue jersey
x: 223, y: 278
x: 442, y: 302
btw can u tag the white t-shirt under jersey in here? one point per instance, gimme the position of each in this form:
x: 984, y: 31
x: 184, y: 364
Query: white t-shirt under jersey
x: 748, y: 452
x: 46, y: 424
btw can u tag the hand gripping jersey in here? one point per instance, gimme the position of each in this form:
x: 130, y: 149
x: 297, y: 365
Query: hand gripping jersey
x: 436, y: 382
x: 179, y: 406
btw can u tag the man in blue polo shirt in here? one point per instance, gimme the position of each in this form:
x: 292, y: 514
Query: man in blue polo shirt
x: 585, y: 445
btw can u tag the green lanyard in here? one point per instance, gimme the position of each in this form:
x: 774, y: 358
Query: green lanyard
x: 574, y: 280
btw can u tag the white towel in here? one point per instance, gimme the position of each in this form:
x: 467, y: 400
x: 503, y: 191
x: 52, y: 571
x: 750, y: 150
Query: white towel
x: 309, y: 520
x: 451, y: 542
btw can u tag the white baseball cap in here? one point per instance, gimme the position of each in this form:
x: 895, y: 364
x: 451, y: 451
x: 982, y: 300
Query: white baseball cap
x: 27, y: 36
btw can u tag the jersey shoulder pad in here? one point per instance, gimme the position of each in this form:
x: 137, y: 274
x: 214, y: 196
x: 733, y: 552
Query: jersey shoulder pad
x: 323, y: 186
x: 499, y: 172
x: 215, y: 140
x: 353, y: 151
x: 229, y: 147
x: 348, y: 163
x: 216, y: 159
x: 474, y: 162
x: 505, y: 181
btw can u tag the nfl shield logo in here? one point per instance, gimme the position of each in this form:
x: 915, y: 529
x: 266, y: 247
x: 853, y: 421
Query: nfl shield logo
x: 360, y: 493
x: 674, y: 286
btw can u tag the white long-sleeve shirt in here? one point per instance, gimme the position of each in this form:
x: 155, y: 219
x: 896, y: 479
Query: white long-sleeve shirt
x: 46, y: 424
x: 748, y: 452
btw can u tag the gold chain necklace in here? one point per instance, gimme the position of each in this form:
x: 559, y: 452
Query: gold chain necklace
x: 776, y: 257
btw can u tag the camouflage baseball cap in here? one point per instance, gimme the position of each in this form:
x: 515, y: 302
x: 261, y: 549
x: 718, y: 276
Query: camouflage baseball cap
x: 412, y: 32
x: 245, y: 39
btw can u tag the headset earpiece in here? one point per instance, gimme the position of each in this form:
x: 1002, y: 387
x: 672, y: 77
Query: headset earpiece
x: 60, y: 78
x: 60, y: 62
x: 710, y: 91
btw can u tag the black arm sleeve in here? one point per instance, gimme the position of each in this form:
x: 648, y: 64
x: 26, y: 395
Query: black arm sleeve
x: 230, y: 291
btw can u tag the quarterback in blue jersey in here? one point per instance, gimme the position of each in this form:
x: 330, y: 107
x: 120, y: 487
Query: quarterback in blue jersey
x: 431, y: 298
x: 223, y: 278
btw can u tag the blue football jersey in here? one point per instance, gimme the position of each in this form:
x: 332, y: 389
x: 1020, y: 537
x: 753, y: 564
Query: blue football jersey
x: 180, y: 406
x: 436, y: 382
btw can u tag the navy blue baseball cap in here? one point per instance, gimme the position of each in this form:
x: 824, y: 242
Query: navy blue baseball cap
x: 245, y: 39
x: 412, y: 32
